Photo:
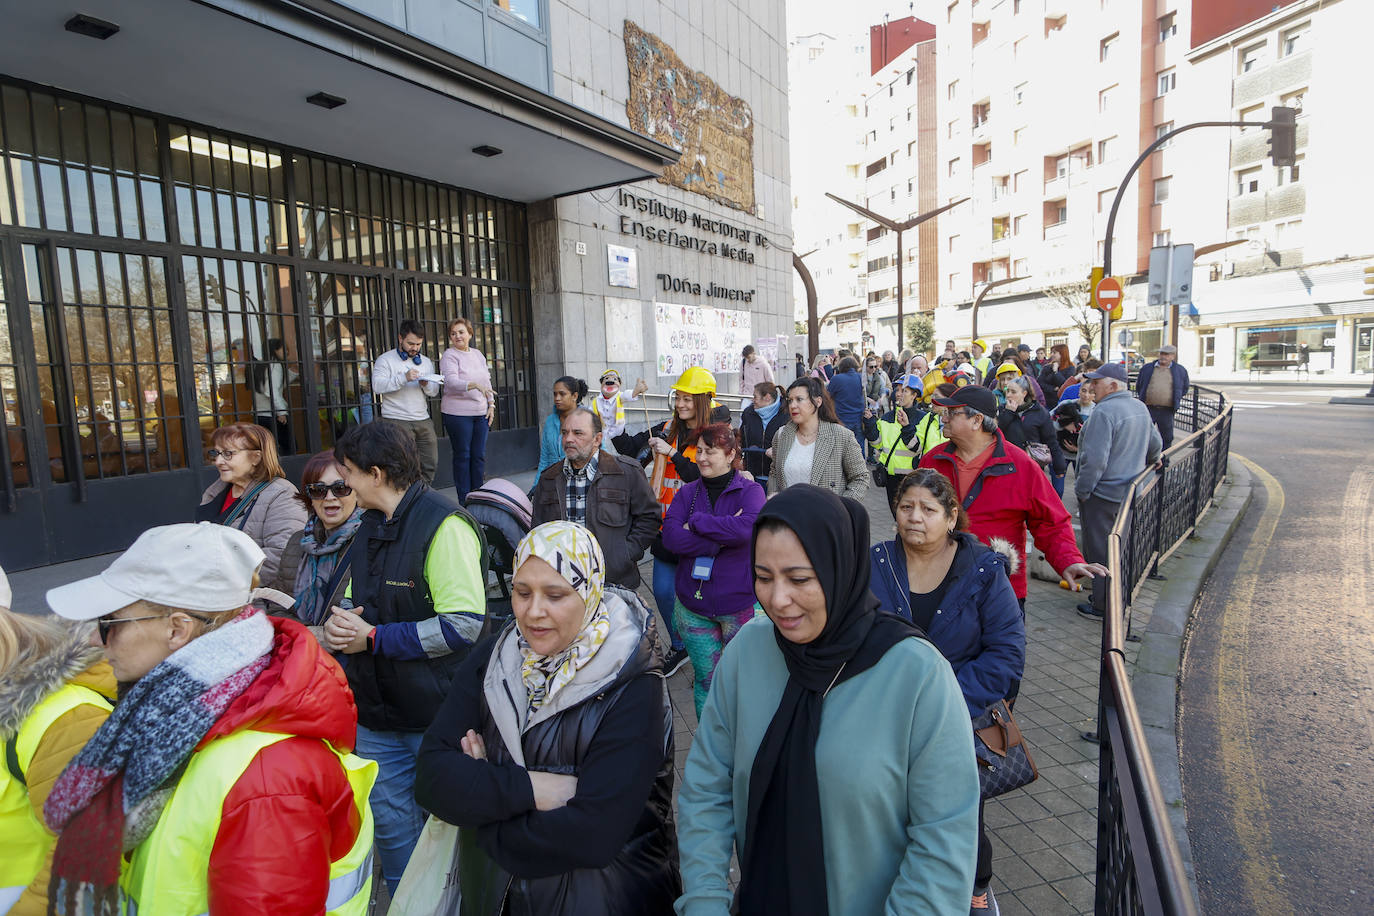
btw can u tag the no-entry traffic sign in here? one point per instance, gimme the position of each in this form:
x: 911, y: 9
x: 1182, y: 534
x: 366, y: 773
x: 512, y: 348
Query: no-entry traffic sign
x: 1107, y: 293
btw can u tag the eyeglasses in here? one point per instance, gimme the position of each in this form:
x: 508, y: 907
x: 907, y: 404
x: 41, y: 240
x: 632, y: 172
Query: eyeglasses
x: 318, y: 490
x: 227, y: 454
x: 103, y: 625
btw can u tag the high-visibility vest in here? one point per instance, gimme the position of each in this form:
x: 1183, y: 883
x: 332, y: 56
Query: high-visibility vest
x: 665, y: 477
x: 24, y: 839
x: 893, y: 452
x: 929, y: 433
x: 619, y: 409
x: 167, y: 874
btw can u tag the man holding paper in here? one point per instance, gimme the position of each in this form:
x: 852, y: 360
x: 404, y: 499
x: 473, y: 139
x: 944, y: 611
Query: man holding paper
x: 403, y: 378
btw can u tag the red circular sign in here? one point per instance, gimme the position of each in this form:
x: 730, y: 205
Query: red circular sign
x: 1108, y: 294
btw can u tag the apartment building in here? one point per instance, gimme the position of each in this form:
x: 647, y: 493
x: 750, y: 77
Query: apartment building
x: 1043, y: 106
x: 863, y: 129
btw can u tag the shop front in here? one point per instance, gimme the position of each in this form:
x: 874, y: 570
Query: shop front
x: 1302, y: 347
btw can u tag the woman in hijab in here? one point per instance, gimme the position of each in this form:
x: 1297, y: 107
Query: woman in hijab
x: 804, y: 745
x: 553, y: 752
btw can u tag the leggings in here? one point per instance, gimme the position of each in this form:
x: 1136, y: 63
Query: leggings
x: 706, y: 638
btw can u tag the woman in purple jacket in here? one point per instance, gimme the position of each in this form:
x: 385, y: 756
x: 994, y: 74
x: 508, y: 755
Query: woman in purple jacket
x: 709, y: 525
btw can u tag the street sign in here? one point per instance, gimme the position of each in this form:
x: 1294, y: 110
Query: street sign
x: 1107, y: 294
x: 1126, y: 338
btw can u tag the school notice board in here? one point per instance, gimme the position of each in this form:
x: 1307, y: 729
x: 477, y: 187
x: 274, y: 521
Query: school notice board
x: 694, y: 335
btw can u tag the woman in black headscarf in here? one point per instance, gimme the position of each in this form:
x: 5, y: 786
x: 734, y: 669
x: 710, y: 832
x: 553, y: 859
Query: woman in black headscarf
x: 820, y: 720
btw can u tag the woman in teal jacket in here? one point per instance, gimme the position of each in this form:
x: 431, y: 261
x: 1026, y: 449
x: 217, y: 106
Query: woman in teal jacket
x: 568, y: 394
x: 834, y: 751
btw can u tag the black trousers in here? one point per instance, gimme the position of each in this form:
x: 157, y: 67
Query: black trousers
x: 1164, y: 420
x: 982, y: 871
x: 1097, y: 516
x: 280, y: 431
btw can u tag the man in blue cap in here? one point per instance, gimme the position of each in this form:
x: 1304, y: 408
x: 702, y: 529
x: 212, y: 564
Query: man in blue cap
x: 896, y: 442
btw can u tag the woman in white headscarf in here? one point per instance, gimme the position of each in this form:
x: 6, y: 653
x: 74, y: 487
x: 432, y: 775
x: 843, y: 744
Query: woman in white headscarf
x: 553, y: 752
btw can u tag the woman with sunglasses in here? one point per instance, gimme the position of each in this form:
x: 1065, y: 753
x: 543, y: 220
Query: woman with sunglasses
x: 320, y: 551
x: 254, y: 496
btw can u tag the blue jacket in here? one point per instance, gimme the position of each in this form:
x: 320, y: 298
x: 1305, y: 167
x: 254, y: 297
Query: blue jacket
x: 978, y: 627
x: 847, y: 391
x: 1180, y: 381
x: 724, y: 531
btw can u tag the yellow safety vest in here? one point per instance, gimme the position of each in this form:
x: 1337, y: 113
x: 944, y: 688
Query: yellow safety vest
x: 893, y: 453
x: 929, y: 433
x: 167, y: 874
x: 24, y: 839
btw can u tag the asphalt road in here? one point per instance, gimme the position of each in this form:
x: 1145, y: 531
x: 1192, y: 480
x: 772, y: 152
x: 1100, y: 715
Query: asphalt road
x: 1277, y: 701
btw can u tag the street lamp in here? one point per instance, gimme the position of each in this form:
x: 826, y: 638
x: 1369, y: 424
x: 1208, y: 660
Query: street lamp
x: 992, y: 284
x: 812, y: 330
x: 899, y: 228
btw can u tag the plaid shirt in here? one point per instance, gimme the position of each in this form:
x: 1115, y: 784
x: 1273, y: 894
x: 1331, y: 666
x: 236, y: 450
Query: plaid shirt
x: 575, y: 502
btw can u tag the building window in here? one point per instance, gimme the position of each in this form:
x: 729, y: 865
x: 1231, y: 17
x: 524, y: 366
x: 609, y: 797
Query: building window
x: 949, y: 11
x: 910, y: 112
x: 952, y: 128
x: 981, y: 111
x: 1016, y: 136
x: 1001, y: 185
x: 1288, y: 235
x: 952, y: 90
x: 1104, y: 47
x: 981, y: 30
x: 1018, y: 93
x: 952, y: 167
x: 1161, y: 130
x: 1020, y: 268
x: 1249, y: 58
x: 527, y: 11
x: 1294, y: 99
x: 1163, y: 238
x: 1161, y: 190
x: 910, y: 75
x: 1168, y: 81
x: 1018, y: 223
x: 953, y: 241
x: 891, y: 124
x: 1293, y: 40
x: 1254, y: 114
x: 1055, y: 24
x: 1168, y: 26
x: 1104, y: 199
x: 1291, y: 174
x: 1106, y: 149
x: 1016, y: 7
x: 1001, y: 228
x: 956, y: 281
x: 1017, y: 179
x: 1016, y: 47
x: 1104, y: 98
x: 911, y: 149
x: 1248, y: 181
x: 1312, y: 345
x: 892, y: 193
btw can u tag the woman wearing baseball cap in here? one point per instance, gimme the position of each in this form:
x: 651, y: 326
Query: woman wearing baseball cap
x: 55, y: 691
x: 224, y: 771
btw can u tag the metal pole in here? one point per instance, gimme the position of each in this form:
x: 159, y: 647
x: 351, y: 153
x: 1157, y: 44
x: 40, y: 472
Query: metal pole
x: 1121, y: 192
x: 900, y: 290
x: 813, y: 330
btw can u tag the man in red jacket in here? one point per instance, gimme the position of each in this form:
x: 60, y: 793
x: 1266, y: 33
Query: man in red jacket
x: 1002, y: 488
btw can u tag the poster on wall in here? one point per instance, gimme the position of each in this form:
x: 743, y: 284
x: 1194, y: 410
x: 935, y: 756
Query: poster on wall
x: 768, y: 352
x: 694, y: 335
x: 622, y: 266
x: 626, y: 344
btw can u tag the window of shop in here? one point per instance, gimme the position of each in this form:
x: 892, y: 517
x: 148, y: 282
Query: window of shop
x: 1312, y: 346
x: 160, y: 272
x: 1364, y: 347
x: 1208, y: 344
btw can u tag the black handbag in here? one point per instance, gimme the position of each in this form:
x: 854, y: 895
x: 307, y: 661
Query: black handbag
x: 1004, y: 761
x: 879, y: 471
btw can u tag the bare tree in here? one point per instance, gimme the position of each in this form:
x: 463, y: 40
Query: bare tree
x: 1075, y: 297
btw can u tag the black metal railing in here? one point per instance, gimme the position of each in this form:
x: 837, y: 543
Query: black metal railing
x: 1139, y: 869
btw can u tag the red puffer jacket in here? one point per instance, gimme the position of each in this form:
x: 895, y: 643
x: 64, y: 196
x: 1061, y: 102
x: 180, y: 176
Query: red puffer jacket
x: 291, y: 813
x: 1010, y: 495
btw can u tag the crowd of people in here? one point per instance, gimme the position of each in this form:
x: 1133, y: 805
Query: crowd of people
x: 314, y: 668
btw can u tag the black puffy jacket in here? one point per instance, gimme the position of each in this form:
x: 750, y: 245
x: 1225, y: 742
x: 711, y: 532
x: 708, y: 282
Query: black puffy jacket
x: 612, y: 850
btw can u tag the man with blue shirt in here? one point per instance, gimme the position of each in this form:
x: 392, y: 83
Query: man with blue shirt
x: 399, y: 379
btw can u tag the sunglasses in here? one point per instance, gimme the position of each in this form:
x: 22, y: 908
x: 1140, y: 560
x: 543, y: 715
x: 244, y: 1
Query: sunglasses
x: 103, y: 625
x: 319, y: 490
x: 227, y: 453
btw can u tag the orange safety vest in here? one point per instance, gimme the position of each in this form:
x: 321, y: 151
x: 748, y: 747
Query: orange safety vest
x: 664, y: 481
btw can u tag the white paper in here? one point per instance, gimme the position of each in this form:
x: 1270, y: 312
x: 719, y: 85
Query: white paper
x: 433, y: 377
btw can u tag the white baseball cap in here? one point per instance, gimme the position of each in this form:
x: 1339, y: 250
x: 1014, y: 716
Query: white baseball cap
x: 195, y: 567
x: 6, y: 596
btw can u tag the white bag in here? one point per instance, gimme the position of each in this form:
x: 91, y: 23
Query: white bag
x: 429, y: 886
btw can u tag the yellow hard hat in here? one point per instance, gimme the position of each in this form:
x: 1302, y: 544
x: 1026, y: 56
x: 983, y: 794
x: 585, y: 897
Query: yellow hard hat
x: 981, y: 344
x: 932, y: 380
x: 696, y: 380
x: 1007, y: 368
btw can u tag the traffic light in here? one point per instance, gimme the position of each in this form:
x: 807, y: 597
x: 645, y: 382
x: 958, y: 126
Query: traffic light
x: 1283, y: 136
x: 1369, y: 281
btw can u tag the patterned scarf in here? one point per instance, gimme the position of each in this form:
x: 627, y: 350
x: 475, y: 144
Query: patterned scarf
x: 319, y: 560
x: 111, y: 795
x: 575, y: 555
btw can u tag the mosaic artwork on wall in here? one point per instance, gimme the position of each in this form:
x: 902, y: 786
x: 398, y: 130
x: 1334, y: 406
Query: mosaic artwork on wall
x: 685, y: 109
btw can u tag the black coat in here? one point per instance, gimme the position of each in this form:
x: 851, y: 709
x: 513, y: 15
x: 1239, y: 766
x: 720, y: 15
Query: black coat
x: 612, y: 850
x: 1033, y: 424
x: 755, y: 434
